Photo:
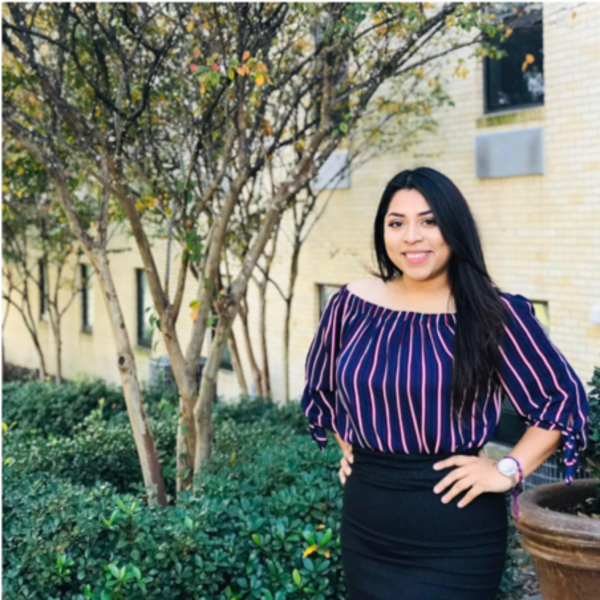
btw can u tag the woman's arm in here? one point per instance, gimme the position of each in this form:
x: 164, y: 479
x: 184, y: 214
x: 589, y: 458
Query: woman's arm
x: 534, y: 447
x: 343, y: 445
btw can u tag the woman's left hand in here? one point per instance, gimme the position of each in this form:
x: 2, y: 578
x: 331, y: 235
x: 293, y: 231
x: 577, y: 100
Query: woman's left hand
x: 475, y: 472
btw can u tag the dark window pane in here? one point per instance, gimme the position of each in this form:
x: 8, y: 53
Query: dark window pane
x: 43, y: 283
x: 144, y: 309
x: 325, y: 293
x: 517, y: 80
x: 86, y: 299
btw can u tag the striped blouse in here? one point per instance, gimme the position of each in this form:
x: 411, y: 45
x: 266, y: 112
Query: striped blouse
x: 380, y: 378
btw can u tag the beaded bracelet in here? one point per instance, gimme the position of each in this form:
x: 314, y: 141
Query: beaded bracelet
x: 517, y: 488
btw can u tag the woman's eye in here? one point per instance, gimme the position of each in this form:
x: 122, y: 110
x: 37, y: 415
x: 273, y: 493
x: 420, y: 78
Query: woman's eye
x: 433, y: 221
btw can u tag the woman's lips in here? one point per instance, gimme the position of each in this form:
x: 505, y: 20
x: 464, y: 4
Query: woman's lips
x: 416, y: 261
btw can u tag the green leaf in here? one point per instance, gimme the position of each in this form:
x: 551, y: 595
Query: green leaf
x: 114, y: 570
x: 326, y: 538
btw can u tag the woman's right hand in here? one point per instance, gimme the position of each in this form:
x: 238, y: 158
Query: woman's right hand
x: 346, y: 461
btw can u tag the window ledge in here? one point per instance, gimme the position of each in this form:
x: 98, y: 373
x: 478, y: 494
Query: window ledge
x: 508, y: 117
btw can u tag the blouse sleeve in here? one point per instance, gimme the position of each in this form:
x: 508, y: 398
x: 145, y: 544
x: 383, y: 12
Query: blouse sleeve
x: 318, y: 398
x: 540, y: 383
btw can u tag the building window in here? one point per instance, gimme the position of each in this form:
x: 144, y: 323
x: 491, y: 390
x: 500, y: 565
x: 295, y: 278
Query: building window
x: 144, y: 306
x: 226, y: 359
x: 43, y: 288
x: 517, y: 79
x: 226, y: 362
x: 87, y: 299
x: 541, y: 312
x: 511, y: 425
x: 325, y: 293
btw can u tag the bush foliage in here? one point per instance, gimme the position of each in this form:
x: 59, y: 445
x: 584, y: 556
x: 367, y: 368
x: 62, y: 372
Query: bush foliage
x: 264, y: 524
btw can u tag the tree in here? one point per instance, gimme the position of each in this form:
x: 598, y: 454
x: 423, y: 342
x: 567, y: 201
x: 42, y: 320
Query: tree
x: 178, y: 111
x: 33, y: 224
x: 36, y: 125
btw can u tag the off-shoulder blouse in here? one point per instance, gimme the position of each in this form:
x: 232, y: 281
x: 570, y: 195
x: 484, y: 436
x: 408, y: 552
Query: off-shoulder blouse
x: 380, y: 378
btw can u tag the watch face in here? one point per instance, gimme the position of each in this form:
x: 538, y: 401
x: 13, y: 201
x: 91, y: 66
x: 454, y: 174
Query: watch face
x: 507, y: 466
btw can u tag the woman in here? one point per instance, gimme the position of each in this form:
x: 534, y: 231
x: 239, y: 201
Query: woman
x: 408, y: 370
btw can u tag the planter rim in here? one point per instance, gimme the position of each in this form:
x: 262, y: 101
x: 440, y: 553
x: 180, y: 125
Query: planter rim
x: 535, y: 516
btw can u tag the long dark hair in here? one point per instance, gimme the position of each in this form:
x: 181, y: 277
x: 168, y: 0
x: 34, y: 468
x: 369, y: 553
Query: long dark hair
x: 480, y: 312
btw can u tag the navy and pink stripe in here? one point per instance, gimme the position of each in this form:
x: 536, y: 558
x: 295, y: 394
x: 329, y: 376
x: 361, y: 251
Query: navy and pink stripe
x: 380, y: 378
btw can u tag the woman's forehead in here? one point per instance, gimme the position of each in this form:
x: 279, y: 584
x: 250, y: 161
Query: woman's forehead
x: 408, y: 203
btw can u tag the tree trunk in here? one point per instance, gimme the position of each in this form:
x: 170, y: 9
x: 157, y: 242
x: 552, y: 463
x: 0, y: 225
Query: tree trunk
x: 256, y: 376
x: 2, y: 356
x: 151, y: 471
x: 203, y: 411
x: 40, y: 352
x: 208, y: 388
x: 266, y: 380
x: 288, y: 318
x: 58, y: 346
x: 186, y: 442
x: 237, y: 364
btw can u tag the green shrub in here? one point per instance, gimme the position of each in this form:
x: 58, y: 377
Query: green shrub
x: 97, y: 451
x: 60, y: 538
x: 47, y: 408
x: 266, y: 496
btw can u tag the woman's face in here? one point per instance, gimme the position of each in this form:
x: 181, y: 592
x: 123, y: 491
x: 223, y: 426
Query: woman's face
x: 408, y: 231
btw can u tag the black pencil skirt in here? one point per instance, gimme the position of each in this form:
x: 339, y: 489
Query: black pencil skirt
x: 400, y: 542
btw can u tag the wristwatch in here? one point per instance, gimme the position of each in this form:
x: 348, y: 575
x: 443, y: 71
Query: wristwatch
x: 508, y: 467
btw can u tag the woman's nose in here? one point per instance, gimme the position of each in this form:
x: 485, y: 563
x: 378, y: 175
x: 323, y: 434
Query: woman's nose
x: 413, y: 233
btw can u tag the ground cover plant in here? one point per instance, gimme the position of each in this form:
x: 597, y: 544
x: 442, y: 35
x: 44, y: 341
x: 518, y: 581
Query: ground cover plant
x: 264, y: 523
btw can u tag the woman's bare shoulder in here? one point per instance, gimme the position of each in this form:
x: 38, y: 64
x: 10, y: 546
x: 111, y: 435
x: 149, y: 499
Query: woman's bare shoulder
x: 364, y: 285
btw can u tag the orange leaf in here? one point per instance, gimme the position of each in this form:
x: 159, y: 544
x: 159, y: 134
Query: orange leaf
x: 259, y: 80
x: 194, y: 314
x: 246, y: 55
x: 310, y: 550
x: 215, y: 67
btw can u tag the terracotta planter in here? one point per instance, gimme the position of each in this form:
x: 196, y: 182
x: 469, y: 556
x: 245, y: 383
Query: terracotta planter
x: 565, y: 548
